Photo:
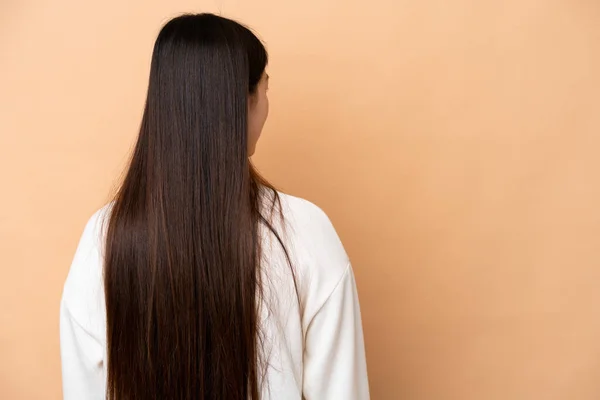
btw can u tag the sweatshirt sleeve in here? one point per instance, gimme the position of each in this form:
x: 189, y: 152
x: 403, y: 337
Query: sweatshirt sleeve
x: 82, y: 319
x: 334, y: 357
x: 82, y: 366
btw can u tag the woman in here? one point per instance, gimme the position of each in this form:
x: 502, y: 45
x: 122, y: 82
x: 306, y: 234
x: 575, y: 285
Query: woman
x: 200, y: 281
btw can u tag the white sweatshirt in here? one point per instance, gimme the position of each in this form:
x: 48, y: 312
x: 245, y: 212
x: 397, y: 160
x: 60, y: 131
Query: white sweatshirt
x: 315, y: 349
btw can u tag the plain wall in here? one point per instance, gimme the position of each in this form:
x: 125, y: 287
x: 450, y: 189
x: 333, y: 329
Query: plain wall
x: 453, y: 144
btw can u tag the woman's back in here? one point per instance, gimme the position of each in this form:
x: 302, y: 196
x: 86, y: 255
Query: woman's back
x: 312, y: 339
x: 199, y: 281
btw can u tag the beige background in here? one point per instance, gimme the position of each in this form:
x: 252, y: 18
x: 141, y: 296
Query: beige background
x: 453, y: 143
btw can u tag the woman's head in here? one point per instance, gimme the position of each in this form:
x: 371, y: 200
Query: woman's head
x: 258, y: 111
x: 182, y: 271
x: 207, y: 69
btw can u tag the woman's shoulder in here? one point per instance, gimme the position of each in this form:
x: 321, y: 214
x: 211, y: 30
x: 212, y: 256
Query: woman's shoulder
x: 307, y: 217
x: 301, y: 208
x: 314, y: 236
x: 87, y: 259
x: 83, y: 291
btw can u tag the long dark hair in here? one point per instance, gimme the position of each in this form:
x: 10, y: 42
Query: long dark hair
x: 182, y: 272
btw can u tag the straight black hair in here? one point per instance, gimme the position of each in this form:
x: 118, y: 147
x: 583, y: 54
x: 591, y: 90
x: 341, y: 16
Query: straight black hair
x: 182, y: 271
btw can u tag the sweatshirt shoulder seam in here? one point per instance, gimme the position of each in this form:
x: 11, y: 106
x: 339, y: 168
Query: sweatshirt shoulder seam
x: 331, y: 293
x: 79, y: 324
